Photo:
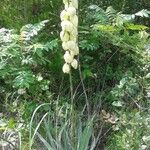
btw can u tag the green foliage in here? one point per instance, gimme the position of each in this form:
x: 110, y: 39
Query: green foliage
x: 61, y: 130
x: 114, y: 59
x: 23, y: 60
x: 109, y: 50
x: 128, y: 87
x: 133, y: 130
x: 30, y: 30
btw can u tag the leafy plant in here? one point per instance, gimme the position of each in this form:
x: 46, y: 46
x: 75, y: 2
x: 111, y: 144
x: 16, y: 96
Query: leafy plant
x: 58, y: 129
x: 22, y: 59
x: 132, y: 132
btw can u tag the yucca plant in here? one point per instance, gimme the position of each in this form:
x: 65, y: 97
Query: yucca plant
x: 54, y: 130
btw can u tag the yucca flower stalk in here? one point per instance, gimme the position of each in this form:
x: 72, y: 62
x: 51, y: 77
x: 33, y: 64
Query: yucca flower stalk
x: 69, y: 34
x: 69, y: 37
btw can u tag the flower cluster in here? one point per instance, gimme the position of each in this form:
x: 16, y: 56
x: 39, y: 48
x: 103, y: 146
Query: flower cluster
x: 69, y: 34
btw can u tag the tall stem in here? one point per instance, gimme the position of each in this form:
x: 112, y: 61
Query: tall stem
x: 84, y: 90
x: 72, y: 107
x: 71, y: 88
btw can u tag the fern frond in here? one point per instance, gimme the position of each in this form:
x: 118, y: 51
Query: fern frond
x: 28, y: 31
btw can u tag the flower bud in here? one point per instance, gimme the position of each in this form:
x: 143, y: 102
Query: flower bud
x: 74, y: 20
x: 74, y: 64
x: 76, y: 50
x: 65, y: 46
x: 68, y: 58
x: 66, y: 2
x: 67, y: 26
x: 71, y: 11
x: 64, y: 15
x: 64, y: 36
x: 72, y: 53
x: 71, y: 45
x: 74, y: 3
x: 66, y: 6
x: 66, y: 68
x: 74, y: 32
x: 73, y: 38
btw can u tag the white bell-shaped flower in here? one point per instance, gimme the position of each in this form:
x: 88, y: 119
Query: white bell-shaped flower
x: 71, y: 11
x: 65, y: 45
x: 71, y: 45
x: 74, y: 64
x: 66, y: 68
x: 67, y: 26
x: 66, y: 6
x: 74, y: 20
x: 74, y: 31
x: 65, y: 1
x: 74, y: 3
x: 68, y: 58
x: 74, y: 51
x: 64, y: 36
x: 64, y: 15
x: 72, y: 37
